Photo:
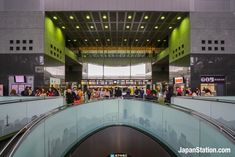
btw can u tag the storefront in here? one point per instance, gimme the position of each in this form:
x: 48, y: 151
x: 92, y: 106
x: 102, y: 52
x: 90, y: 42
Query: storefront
x: 215, y: 83
x: 55, y: 82
x: 20, y: 82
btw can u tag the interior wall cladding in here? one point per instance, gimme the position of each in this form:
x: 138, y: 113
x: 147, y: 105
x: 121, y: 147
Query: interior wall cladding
x: 220, y: 64
x: 216, y: 37
x: 21, y: 32
x: 21, y: 64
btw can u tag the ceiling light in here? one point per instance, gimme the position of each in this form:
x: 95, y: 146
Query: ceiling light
x: 63, y: 27
x: 104, y: 17
x: 178, y: 18
x: 127, y: 26
x: 163, y: 17
x: 106, y: 26
x: 164, y: 40
x: 142, y: 27
x: 136, y: 40
x: 71, y: 17
x: 156, y: 27
x: 88, y: 17
x: 91, y: 27
x: 129, y: 17
x: 170, y: 27
x: 158, y: 40
x: 74, y: 40
x: 55, y: 18
x: 97, y: 40
x: 125, y: 39
x: 147, y: 40
x: 108, y: 39
x: 77, y: 27
x: 69, y: 40
x: 146, y: 17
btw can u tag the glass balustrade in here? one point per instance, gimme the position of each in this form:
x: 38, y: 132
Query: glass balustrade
x: 58, y: 133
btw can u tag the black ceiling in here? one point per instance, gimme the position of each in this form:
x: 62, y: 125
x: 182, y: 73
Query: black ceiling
x: 113, y: 30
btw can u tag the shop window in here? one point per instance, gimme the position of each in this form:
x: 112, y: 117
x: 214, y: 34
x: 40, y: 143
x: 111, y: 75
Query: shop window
x: 24, y: 41
x: 209, y: 48
x: 17, y: 48
x: 216, y: 42
x: 11, y: 41
x: 222, y: 49
x: 203, y: 48
x: 216, y: 48
x: 31, y: 41
x: 24, y: 48
x: 17, y: 41
x: 222, y: 42
x: 11, y: 48
x: 30, y: 48
x: 209, y: 42
x: 203, y: 41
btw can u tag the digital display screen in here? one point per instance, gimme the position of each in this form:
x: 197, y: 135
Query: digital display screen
x: 19, y: 79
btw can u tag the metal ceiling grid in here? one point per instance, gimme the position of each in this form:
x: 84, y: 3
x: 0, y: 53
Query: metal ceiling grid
x: 117, y: 28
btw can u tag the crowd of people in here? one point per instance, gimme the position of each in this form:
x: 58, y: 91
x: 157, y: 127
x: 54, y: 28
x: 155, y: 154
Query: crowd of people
x: 28, y: 91
x: 77, y: 95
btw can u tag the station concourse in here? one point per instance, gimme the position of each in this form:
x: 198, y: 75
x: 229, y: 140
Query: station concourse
x: 112, y: 78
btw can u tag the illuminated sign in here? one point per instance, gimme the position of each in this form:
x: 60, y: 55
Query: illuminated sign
x: 179, y: 80
x: 119, y: 155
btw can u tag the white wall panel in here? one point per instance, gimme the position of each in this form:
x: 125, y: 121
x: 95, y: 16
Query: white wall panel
x: 212, y: 5
x: 149, y: 5
x: 22, y: 5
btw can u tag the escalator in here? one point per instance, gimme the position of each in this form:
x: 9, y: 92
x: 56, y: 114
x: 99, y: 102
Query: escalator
x: 118, y: 127
x: 121, y: 140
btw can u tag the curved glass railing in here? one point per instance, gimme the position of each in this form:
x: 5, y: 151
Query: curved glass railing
x: 220, y: 109
x: 16, y: 112
x: 57, y: 134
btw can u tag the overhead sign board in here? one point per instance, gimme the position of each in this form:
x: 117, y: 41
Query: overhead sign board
x: 212, y: 79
